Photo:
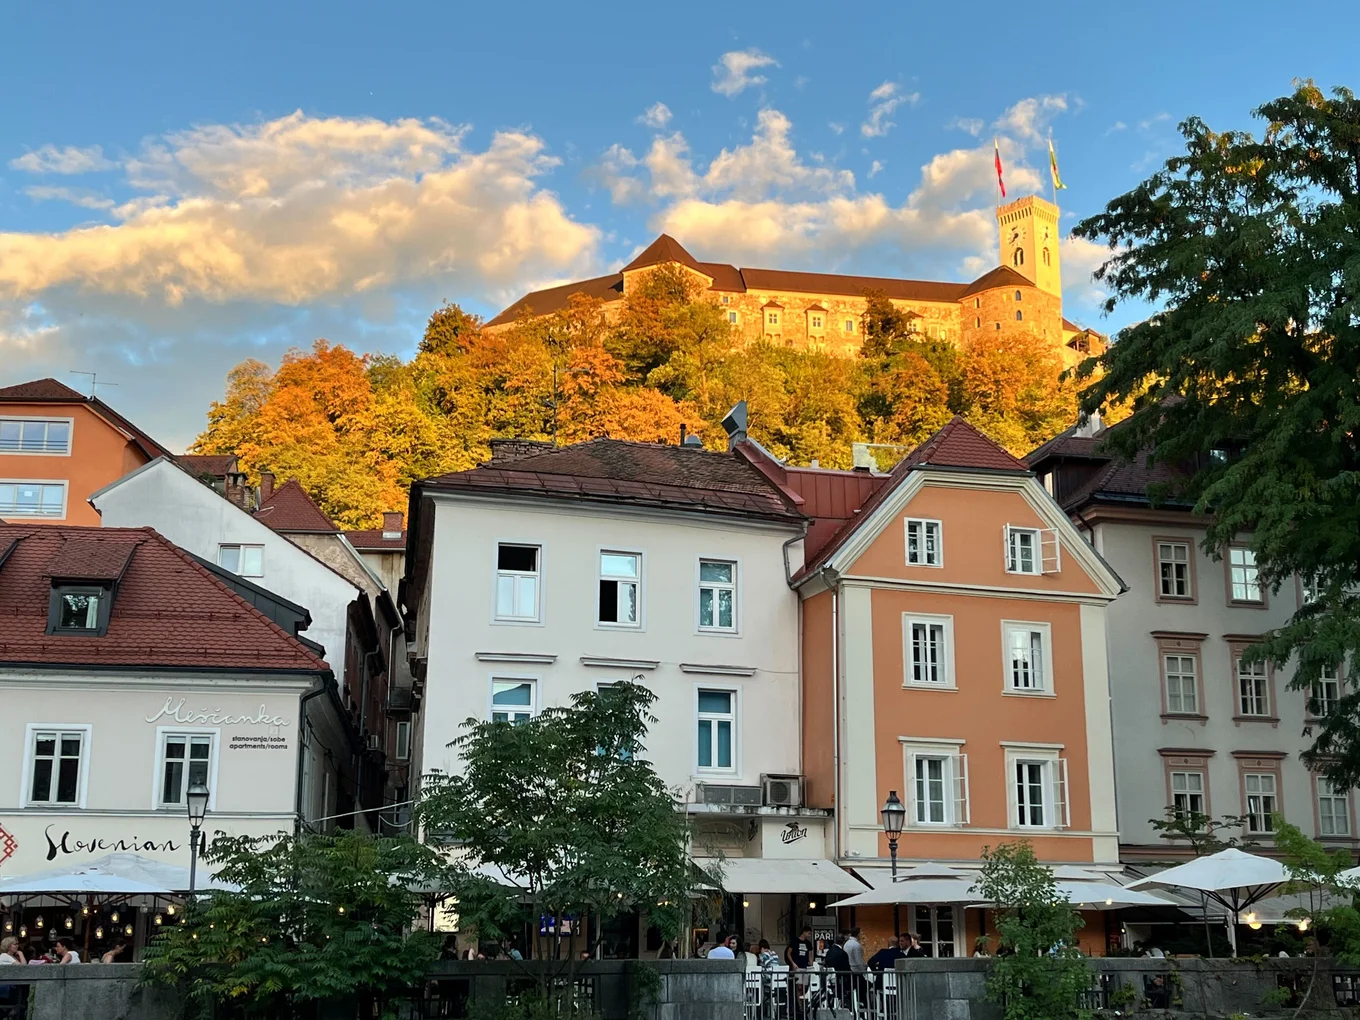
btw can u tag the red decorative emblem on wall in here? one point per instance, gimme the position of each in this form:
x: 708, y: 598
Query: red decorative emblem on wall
x: 8, y: 846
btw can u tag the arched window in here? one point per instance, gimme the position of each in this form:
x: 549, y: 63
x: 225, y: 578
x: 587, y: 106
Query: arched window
x: 998, y: 325
x: 1048, y: 259
x: 1018, y: 295
x: 1019, y: 257
x: 977, y: 302
x: 1019, y: 316
x: 978, y: 323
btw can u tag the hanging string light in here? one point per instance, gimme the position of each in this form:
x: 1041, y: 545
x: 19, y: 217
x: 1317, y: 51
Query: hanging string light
x: 70, y: 923
x: 159, y: 921
x: 85, y: 910
x: 38, y: 921
x: 114, y: 917
x: 127, y: 930
x: 9, y: 926
x: 170, y: 910
x: 23, y: 931
x: 99, y: 932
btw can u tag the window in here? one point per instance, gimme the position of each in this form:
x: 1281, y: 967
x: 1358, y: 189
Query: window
x: 977, y: 302
x: 928, y: 653
x: 512, y: 700
x: 717, y: 720
x: 726, y: 299
x: 717, y: 595
x: 732, y: 318
x: 816, y: 322
x: 1334, y: 809
x: 32, y: 499
x: 246, y: 560
x: 517, y: 577
x: 1019, y: 315
x: 403, y: 747
x: 1026, y: 657
x: 1187, y: 794
x: 1018, y: 295
x: 77, y: 610
x: 772, y: 318
x: 1182, y: 689
x: 1326, y: 694
x: 1031, y: 794
x: 1310, y: 587
x: 35, y: 435
x: 923, y: 543
x: 998, y: 325
x: 932, y: 781
x: 1253, y: 685
x: 1038, y: 787
x: 1048, y: 258
x: 1261, y: 802
x: 935, y: 925
x: 849, y: 325
x: 619, y: 588
x: 185, y: 759
x: 977, y: 321
x: 1243, y: 575
x: 1022, y: 550
x: 1018, y: 257
x: 56, y: 766
x: 1173, y: 570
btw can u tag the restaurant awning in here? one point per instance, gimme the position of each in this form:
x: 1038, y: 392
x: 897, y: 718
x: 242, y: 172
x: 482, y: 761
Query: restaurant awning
x: 120, y: 874
x: 769, y: 875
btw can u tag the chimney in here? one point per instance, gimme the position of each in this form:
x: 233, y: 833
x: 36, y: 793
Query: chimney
x: 507, y: 451
x: 235, y: 492
x: 266, y: 485
x: 683, y: 430
x: 735, y: 425
x: 392, y: 524
x: 862, y: 457
x: 1089, y: 426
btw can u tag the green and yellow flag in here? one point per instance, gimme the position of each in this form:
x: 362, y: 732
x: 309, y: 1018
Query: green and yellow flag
x: 1053, y: 168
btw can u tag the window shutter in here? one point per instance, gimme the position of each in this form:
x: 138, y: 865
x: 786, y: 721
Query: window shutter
x: 912, y: 809
x: 1050, y: 552
x: 961, y: 816
x: 1062, y: 814
x: 1006, y: 547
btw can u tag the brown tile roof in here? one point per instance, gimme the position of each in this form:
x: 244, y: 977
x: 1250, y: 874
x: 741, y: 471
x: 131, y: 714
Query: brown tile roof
x: 214, y: 464
x: 373, y: 541
x: 1068, y: 444
x: 638, y: 474
x: 289, y: 508
x: 850, y: 286
x: 91, y: 557
x: 1001, y: 276
x: 51, y: 391
x: 1114, y: 478
x: 725, y: 277
x: 664, y: 249
x: 168, y: 610
x: 545, y: 302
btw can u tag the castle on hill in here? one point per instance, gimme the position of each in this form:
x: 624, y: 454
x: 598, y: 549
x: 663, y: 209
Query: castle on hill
x: 823, y: 310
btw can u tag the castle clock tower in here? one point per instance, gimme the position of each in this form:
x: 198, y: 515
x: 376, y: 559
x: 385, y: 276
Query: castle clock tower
x: 1029, y: 241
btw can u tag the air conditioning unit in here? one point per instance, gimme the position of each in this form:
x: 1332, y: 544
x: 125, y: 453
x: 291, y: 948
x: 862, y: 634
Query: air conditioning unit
x: 782, y: 791
x: 374, y: 742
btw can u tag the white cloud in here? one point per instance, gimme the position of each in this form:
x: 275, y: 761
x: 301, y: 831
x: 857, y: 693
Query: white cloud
x: 615, y: 171
x: 69, y: 160
x: 732, y: 73
x: 836, y: 129
x: 304, y: 209
x: 1117, y: 126
x: 875, y: 167
x: 1028, y: 119
x: 1080, y: 258
x: 658, y: 115
x: 1151, y: 122
x: 75, y: 196
x: 882, y: 102
x: 970, y: 125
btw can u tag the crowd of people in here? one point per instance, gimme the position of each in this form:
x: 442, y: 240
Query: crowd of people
x: 843, y: 952
x: 62, y: 950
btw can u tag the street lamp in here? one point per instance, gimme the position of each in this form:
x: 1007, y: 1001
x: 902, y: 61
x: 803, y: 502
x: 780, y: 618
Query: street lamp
x: 196, y: 800
x: 894, y: 816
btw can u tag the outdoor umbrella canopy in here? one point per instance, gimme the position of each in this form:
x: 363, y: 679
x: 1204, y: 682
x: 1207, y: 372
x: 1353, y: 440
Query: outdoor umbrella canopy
x: 925, y: 883
x: 1096, y: 895
x: 113, y: 874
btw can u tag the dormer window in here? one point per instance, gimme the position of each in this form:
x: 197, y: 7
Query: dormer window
x: 79, y: 609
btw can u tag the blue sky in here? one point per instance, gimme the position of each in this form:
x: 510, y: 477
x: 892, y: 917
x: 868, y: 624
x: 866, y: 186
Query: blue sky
x: 184, y: 186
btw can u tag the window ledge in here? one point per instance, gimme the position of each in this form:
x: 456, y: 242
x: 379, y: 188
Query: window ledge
x: 929, y: 687
x: 1240, y: 604
x: 1012, y: 693
x: 1274, y: 720
x: 1185, y: 717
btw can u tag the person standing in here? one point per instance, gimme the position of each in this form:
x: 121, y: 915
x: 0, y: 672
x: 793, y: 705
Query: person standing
x: 798, y: 953
x: 854, y: 951
x: 837, y: 960
x: 915, y: 948
x: 886, y: 958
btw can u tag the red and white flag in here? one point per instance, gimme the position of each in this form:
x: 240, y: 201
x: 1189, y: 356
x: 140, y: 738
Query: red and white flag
x: 996, y: 149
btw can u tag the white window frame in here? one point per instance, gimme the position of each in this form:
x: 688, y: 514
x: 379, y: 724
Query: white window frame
x: 158, y: 777
x: 1057, y: 803
x: 1045, y: 543
x: 240, y: 547
x: 1181, y: 675
x: 15, y: 515
x: 1202, y: 793
x: 1263, y: 676
x: 1251, y: 576
x: 926, y: 526
x: 815, y: 320
x: 771, y: 318
x: 1323, y: 790
x: 1267, y: 824
x: 1189, y: 594
x: 957, y: 803
x: 717, y: 586
x: 640, y: 580
x: 1045, y: 687
x: 734, y: 716
x: 47, y: 420
x: 532, y: 680
x: 1326, y: 678
x: 947, y: 680
x: 850, y: 325
x: 517, y: 621
x: 733, y: 317
x: 31, y: 732
x: 401, y: 740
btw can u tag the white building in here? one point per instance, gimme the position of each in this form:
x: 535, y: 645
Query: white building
x: 129, y: 671
x: 549, y: 571
x: 1195, y: 729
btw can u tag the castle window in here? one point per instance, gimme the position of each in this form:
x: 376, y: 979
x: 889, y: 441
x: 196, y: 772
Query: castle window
x: 816, y: 322
x: 1048, y: 259
x: 772, y: 318
x: 978, y: 322
x: 727, y: 300
x: 1018, y: 296
x: 849, y: 325
x: 1019, y: 257
x: 1019, y: 316
x: 998, y: 325
x: 977, y: 302
x: 732, y: 318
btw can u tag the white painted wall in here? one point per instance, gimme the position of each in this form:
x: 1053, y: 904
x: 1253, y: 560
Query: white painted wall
x: 253, y: 772
x: 196, y: 518
x: 461, y: 610
x: 1136, y: 678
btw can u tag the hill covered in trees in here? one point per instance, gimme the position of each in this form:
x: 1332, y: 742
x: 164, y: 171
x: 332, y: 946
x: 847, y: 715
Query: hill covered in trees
x: 356, y: 430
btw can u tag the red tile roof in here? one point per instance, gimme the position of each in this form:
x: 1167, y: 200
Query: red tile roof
x: 216, y: 465
x: 374, y: 540
x: 40, y: 389
x: 90, y: 557
x: 552, y: 299
x: 639, y: 474
x: 167, y: 611
x: 664, y: 249
x: 51, y: 391
x: 289, y: 508
x: 785, y: 281
x: 1001, y: 276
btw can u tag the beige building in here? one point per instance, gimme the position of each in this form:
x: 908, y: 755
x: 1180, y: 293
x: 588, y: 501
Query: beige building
x: 824, y: 310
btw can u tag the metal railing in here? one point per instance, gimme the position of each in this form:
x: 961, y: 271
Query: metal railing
x: 776, y: 993
x: 13, y: 1000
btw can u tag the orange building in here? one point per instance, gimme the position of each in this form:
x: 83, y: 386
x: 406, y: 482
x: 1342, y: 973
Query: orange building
x: 57, y: 447
x: 953, y: 654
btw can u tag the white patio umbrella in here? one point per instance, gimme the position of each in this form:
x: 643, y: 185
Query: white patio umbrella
x: 1098, y: 895
x: 925, y: 883
x: 113, y: 874
x: 1232, y: 878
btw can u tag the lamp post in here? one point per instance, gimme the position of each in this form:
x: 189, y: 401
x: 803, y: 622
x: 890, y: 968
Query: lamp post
x: 196, y: 800
x: 894, y: 816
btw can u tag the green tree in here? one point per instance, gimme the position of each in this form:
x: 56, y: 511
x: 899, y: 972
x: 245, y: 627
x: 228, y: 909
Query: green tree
x: 315, y: 919
x: 1246, y: 375
x: 1200, y: 832
x: 450, y: 331
x: 566, y: 809
x: 1039, y: 972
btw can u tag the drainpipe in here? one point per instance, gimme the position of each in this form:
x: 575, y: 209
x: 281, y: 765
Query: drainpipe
x: 836, y: 710
x: 302, y: 737
x: 788, y: 578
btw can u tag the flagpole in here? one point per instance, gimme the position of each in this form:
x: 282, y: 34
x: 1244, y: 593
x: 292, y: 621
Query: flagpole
x: 1052, y: 180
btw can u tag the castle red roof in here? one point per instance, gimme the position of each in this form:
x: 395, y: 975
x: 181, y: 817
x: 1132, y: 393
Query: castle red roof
x: 289, y: 508
x: 167, y: 610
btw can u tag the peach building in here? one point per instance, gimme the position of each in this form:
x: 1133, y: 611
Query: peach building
x: 823, y: 310
x: 57, y: 447
x: 954, y: 654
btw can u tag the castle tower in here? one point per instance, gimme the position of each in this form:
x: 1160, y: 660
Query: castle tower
x: 1028, y: 229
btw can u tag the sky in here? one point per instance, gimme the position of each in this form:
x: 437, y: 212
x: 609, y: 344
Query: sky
x: 186, y: 186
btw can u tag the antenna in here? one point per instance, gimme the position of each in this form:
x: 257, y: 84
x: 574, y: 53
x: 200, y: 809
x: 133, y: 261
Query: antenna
x: 94, y: 381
